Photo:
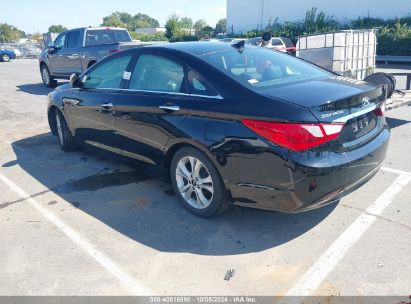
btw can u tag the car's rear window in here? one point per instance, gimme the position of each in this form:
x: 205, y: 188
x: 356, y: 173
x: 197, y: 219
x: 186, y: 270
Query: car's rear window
x: 98, y: 37
x: 276, y: 41
x: 288, y: 43
x: 261, y: 68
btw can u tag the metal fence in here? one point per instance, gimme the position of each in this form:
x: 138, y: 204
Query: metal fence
x: 23, y: 50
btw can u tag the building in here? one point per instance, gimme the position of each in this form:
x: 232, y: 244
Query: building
x: 245, y: 15
x: 151, y: 30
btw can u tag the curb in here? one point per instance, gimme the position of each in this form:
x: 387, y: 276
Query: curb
x: 400, y: 102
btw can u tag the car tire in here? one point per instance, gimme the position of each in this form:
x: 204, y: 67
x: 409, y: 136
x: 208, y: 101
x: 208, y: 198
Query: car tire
x: 201, y: 190
x: 5, y: 58
x: 66, y: 139
x: 48, y: 80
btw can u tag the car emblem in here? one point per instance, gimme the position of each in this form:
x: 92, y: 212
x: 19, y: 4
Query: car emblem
x: 365, y: 101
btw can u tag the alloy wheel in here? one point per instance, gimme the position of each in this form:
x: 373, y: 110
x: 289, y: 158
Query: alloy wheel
x: 194, y: 182
x: 59, y: 129
x: 5, y: 58
x: 45, y: 75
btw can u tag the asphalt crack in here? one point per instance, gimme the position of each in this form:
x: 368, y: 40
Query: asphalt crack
x: 377, y: 216
x: 7, y: 204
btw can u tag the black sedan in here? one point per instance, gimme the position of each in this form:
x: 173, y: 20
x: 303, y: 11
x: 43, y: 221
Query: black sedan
x: 228, y: 124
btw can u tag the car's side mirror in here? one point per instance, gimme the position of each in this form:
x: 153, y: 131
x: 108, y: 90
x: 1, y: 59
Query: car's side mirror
x: 75, y: 80
x: 51, y: 49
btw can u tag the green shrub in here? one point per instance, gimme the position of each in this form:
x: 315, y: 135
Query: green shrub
x: 393, y: 35
x: 394, y: 40
x: 148, y: 37
x: 183, y: 38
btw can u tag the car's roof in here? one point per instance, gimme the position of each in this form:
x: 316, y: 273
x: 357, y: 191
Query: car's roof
x: 97, y: 28
x: 195, y: 48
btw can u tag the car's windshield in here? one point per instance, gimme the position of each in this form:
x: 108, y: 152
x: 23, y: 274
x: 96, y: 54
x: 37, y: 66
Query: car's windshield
x: 260, y: 68
x: 98, y: 37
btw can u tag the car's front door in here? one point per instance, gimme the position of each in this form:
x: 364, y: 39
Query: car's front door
x: 56, y: 60
x: 92, y: 107
x: 152, y: 105
x: 70, y: 60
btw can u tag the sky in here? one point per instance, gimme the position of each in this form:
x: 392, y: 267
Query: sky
x: 36, y: 16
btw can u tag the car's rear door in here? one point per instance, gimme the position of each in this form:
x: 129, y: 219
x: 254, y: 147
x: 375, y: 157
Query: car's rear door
x: 152, y: 105
x: 92, y: 107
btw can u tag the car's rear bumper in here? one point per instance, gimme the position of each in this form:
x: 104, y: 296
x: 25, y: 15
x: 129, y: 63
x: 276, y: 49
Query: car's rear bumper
x: 270, y: 181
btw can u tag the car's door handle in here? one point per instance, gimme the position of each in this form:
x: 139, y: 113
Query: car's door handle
x: 73, y: 56
x: 107, y: 105
x: 172, y: 108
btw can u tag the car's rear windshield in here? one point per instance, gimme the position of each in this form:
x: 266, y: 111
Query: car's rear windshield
x: 106, y: 36
x: 262, y: 68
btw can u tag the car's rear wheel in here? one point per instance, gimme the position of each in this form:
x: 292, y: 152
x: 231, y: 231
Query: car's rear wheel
x: 5, y: 58
x: 48, y: 80
x: 66, y: 140
x: 198, y: 183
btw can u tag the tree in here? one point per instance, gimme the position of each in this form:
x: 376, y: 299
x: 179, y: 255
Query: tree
x: 208, y: 31
x: 200, y: 24
x: 125, y: 20
x: 10, y: 33
x: 57, y: 29
x: 186, y: 23
x: 37, y: 37
x: 221, y: 26
x: 174, y: 27
x: 113, y: 20
x: 151, y: 22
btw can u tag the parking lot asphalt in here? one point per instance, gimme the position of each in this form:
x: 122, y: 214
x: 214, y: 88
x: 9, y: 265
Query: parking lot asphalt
x: 81, y: 224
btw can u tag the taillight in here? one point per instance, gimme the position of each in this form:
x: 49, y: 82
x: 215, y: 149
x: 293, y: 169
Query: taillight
x: 380, y: 110
x: 295, y: 136
x: 114, y: 51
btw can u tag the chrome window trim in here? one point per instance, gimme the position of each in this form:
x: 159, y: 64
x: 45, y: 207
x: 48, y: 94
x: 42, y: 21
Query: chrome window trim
x: 207, y: 96
x: 156, y: 92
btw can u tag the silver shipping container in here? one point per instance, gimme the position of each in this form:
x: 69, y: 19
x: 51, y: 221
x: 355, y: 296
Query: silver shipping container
x: 350, y: 53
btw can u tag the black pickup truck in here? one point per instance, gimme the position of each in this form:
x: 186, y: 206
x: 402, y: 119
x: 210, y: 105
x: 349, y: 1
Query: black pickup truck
x: 78, y: 49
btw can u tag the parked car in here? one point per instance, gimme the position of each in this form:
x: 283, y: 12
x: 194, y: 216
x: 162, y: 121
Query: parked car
x: 77, y: 50
x: 283, y: 44
x: 228, y: 124
x: 6, y: 55
x: 17, y: 52
x: 31, y: 51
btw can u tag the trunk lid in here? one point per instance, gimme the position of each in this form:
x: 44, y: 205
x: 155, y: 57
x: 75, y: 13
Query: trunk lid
x: 339, y: 100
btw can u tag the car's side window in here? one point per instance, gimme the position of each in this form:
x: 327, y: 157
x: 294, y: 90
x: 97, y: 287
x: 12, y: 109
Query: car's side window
x: 60, y: 42
x: 73, y: 40
x: 199, y: 86
x: 157, y: 73
x: 107, y: 75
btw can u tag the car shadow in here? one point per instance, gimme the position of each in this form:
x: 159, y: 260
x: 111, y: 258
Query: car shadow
x: 36, y: 88
x: 395, y: 122
x: 146, y: 210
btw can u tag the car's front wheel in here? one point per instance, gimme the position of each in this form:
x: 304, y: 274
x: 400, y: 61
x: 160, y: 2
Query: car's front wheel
x: 48, y: 80
x: 5, y: 58
x: 66, y: 140
x: 197, y: 183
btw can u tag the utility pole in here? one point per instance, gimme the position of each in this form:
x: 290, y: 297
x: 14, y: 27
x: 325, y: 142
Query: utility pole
x: 262, y: 13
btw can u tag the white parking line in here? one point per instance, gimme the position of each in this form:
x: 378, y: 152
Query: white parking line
x: 399, y: 172
x: 312, y: 279
x: 130, y: 283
